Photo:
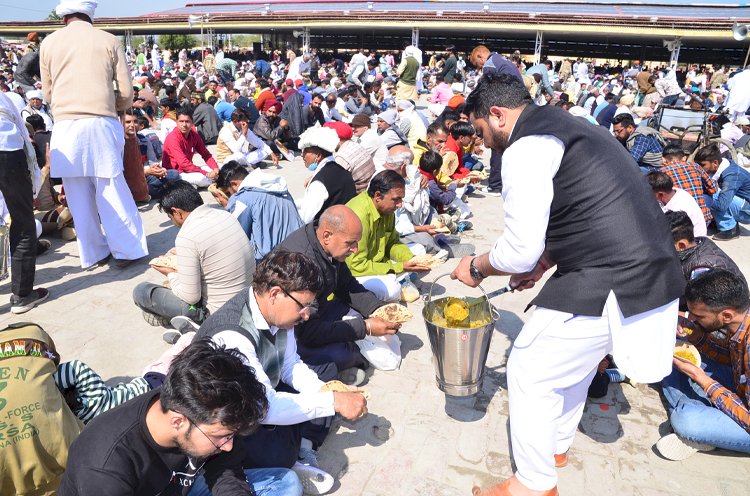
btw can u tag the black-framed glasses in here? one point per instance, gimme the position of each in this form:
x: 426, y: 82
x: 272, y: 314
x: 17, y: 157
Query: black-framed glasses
x: 312, y: 307
x: 222, y: 441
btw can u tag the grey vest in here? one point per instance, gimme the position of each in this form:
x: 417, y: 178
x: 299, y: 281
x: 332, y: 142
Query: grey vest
x: 235, y: 316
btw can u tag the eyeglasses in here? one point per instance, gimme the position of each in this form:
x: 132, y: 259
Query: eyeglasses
x: 222, y: 440
x: 311, y: 307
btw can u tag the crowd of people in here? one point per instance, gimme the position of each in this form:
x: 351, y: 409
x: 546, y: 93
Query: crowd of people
x: 268, y: 297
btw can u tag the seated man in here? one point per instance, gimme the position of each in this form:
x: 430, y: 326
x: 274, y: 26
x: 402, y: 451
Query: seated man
x: 673, y: 199
x: 329, y: 337
x: 213, y: 257
x: 270, y: 127
x: 697, y: 254
x: 732, y: 203
x: 312, y: 114
x: 33, y: 459
x: 689, y: 177
x: 389, y: 131
x: 709, y: 406
x: 259, y: 322
x: 645, y: 144
x: 179, y: 436
x: 352, y: 156
x: 261, y: 203
x: 180, y: 147
x: 237, y: 142
x: 369, y: 139
x: 381, y: 256
x: 205, y: 119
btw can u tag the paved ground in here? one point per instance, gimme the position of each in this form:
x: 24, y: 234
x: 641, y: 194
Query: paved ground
x: 416, y: 440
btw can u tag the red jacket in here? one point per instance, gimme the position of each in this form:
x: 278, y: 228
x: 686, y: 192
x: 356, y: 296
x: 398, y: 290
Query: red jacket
x: 178, y: 152
x: 453, y: 146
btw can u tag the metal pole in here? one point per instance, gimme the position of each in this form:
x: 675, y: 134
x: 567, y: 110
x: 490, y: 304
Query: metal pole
x: 538, y: 47
x: 746, y: 57
x: 306, y: 39
x: 415, y: 37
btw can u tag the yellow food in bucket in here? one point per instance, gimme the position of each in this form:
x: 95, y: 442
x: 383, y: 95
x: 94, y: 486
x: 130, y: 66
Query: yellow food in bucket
x: 456, y: 311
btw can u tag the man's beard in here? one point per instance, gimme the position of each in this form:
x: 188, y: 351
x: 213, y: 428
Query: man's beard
x: 500, y: 140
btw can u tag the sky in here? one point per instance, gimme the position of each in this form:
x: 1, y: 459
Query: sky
x: 37, y: 10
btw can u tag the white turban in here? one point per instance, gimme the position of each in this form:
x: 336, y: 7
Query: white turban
x: 404, y: 105
x: 68, y: 7
x: 322, y: 137
x: 34, y: 94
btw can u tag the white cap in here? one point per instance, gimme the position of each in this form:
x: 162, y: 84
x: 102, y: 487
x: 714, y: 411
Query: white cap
x: 68, y: 7
x: 322, y: 137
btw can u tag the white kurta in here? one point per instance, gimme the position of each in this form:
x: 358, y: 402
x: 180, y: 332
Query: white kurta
x: 739, y: 93
x: 87, y: 154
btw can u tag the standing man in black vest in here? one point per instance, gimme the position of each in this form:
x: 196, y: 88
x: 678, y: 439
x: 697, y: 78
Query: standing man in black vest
x: 575, y: 199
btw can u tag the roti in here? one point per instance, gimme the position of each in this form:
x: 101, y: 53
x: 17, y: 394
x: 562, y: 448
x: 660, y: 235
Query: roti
x: 393, y: 312
x: 340, y: 387
x: 427, y: 261
x: 688, y: 352
x: 168, y: 261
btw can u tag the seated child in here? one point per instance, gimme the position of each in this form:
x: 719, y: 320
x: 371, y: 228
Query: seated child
x: 441, y: 187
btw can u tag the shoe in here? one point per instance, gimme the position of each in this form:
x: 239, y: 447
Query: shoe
x: 171, y: 336
x: 100, y: 263
x: 561, y: 460
x: 155, y: 320
x: 24, y: 304
x: 353, y: 376
x: 492, y: 192
x: 314, y: 481
x: 461, y: 250
x: 184, y: 324
x: 511, y: 487
x: 442, y: 254
x: 452, y: 239
x: 122, y: 263
x: 42, y: 245
x: 727, y: 235
x: 463, y: 225
x: 676, y: 448
x: 144, y: 202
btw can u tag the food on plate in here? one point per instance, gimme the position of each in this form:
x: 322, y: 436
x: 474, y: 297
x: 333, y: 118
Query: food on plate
x: 688, y: 352
x: 393, y: 312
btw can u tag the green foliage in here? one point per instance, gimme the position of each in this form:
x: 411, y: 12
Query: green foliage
x: 177, y: 41
x: 53, y: 16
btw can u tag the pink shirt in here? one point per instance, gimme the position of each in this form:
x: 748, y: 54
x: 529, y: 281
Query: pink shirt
x: 441, y: 94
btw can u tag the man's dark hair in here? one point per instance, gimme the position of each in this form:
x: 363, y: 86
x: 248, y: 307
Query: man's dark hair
x: 231, y: 171
x: 291, y: 271
x: 462, y: 129
x: 384, y: 181
x: 185, y: 110
x: 170, y: 91
x: 673, y: 151
x: 263, y: 83
x: 212, y: 100
x: 179, y: 194
x: 448, y: 114
x: 660, y: 182
x: 208, y: 383
x: 331, y: 98
x: 496, y: 90
x: 36, y: 122
x: 430, y: 161
x: 681, y: 225
x: 608, y: 97
x: 316, y: 95
x: 436, y: 127
x: 564, y: 97
x: 719, y: 289
x: 625, y: 120
x: 709, y: 153
x: 239, y: 115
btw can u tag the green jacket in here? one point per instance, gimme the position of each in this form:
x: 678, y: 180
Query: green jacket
x: 380, y: 251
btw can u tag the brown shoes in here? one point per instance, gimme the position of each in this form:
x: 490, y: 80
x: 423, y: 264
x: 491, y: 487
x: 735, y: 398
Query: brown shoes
x: 512, y: 487
x: 561, y: 460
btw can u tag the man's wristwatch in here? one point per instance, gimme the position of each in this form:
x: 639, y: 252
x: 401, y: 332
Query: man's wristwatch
x: 475, y: 273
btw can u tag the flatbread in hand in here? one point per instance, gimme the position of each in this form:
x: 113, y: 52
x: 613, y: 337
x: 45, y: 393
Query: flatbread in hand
x: 393, y: 312
x: 340, y: 387
x: 168, y: 261
x: 427, y: 261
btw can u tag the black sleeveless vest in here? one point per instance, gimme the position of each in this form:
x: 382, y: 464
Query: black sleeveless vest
x: 339, y: 184
x: 606, y: 231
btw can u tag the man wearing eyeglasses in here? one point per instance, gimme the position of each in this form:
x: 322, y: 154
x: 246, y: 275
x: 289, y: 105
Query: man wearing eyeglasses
x: 260, y: 323
x: 179, y: 439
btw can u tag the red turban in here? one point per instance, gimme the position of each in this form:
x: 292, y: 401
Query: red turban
x: 272, y: 102
x: 343, y: 129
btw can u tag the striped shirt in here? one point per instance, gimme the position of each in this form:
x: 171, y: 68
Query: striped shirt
x: 696, y: 181
x: 93, y: 397
x: 734, y: 351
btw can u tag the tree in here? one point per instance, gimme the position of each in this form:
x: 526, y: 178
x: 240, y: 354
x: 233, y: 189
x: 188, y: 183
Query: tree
x: 177, y: 41
x: 53, y: 16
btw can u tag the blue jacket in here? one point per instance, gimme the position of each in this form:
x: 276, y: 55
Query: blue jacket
x: 265, y: 210
x: 224, y: 110
x: 734, y: 181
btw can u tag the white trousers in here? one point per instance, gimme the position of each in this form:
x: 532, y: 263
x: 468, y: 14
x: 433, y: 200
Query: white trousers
x: 196, y: 178
x: 386, y: 288
x: 551, y: 366
x: 99, y: 202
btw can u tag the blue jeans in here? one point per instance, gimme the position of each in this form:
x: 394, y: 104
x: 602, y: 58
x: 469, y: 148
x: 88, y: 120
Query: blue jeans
x: 738, y: 211
x: 264, y: 481
x: 692, y: 415
x: 472, y: 163
x: 155, y: 184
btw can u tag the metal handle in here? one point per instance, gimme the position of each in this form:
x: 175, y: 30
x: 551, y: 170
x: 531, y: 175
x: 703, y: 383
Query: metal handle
x: 494, y: 312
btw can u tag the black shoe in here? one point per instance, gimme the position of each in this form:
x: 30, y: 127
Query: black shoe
x: 24, y: 304
x: 100, y: 263
x: 727, y: 235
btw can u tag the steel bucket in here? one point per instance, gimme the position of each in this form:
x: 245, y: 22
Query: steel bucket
x: 459, y: 353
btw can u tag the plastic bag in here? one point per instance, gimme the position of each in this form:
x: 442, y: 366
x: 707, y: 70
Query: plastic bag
x: 383, y: 352
x: 409, y: 292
